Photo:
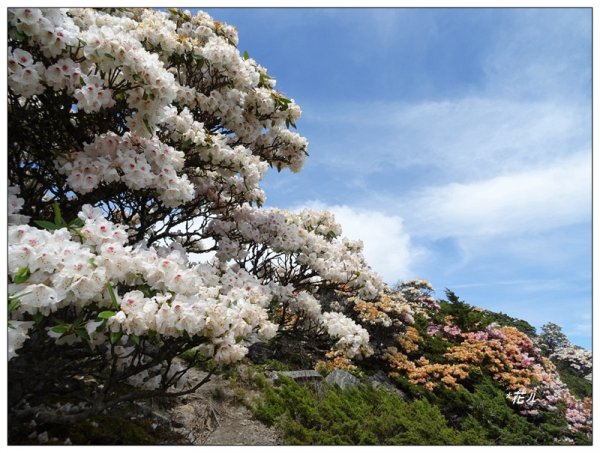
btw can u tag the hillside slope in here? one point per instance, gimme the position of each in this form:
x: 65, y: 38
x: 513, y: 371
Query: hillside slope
x: 454, y: 374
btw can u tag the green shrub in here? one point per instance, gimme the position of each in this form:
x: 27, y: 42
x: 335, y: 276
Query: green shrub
x: 485, y: 416
x: 469, y: 319
x: 356, y: 416
x: 578, y: 385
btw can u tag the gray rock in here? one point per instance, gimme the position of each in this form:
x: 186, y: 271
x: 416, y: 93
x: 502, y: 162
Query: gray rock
x: 380, y: 379
x: 260, y: 352
x: 301, y: 376
x: 148, y: 411
x: 342, y: 378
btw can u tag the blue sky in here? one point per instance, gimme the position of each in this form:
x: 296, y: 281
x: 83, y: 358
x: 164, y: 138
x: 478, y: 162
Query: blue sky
x: 456, y: 143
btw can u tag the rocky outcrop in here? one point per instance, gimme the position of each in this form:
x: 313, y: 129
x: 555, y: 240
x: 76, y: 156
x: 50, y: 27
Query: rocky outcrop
x: 342, y: 378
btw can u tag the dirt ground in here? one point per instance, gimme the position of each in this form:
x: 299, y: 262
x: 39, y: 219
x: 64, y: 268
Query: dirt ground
x: 213, y: 415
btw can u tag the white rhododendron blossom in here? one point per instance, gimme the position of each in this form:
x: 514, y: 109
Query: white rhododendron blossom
x: 575, y: 357
x: 92, y: 96
x: 351, y: 337
x: 24, y: 75
x: 138, y: 140
x: 17, y: 334
x: 67, y: 272
x: 309, y: 236
x: 138, y: 162
x: 15, y: 204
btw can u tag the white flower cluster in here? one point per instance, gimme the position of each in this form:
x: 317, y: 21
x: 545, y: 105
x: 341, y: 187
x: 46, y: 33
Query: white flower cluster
x: 52, y: 29
x: 137, y: 55
x: 308, y: 235
x: 311, y: 238
x: 15, y: 204
x: 225, y: 308
x: 138, y: 162
x: 351, y: 338
x: 578, y: 358
x: 190, y: 122
x: 17, y: 334
x: 65, y: 74
x: 92, y: 96
x: 62, y: 271
x: 24, y: 76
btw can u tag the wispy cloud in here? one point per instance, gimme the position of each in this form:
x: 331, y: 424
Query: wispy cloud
x: 457, y: 140
x: 523, y: 284
x: 542, y: 54
x: 524, y: 202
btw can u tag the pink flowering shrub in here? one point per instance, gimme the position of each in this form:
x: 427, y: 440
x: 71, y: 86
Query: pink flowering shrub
x: 509, y: 356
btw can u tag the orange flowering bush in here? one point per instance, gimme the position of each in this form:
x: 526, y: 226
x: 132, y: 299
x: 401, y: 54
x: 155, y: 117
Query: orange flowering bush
x: 423, y: 372
x: 336, y: 358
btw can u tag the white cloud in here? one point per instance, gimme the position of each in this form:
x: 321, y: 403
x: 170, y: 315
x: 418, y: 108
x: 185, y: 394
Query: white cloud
x: 477, y: 137
x: 458, y: 140
x: 387, y: 246
x: 542, y: 53
x: 525, y: 202
x: 523, y: 284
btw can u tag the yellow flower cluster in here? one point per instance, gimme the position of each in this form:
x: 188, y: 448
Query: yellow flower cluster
x: 368, y: 312
x: 335, y: 358
x: 388, y: 310
x: 424, y: 372
x: 498, y: 359
x: 409, y: 339
x: 506, y: 358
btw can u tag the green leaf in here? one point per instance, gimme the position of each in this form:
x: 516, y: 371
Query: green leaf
x: 106, y: 314
x: 58, y: 220
x: 153, y: 338
x: 146, y: 290
x: 246, y: 56
x: 82, y: 333
x: 22, y: 275
x: 61, y: 328
x: 147, y: 124
x: 115, y: 337
x: 113, y: 296
x: 262, y: 80
x: 200, y: 60
x: 38, y: 317
x: 13, y: 304
x: 135, y: 339
x: 76, y: 223
x: 19, y: 34
x: 46, y: 225
x: 186, y: 143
